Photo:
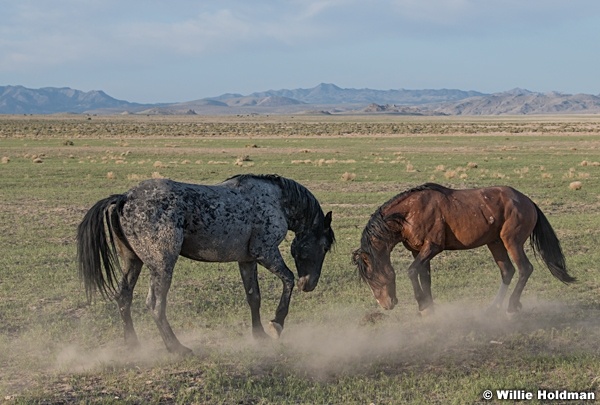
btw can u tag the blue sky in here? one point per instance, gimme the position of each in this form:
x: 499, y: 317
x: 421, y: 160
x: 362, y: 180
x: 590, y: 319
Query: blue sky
x: 181, y: 50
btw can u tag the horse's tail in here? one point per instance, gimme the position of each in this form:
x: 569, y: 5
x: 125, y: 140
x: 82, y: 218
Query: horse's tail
x: 97, y: 254
x: 545, y: 243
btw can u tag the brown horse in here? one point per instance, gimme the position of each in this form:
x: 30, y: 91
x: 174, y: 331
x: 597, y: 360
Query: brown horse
x: 431, y: 218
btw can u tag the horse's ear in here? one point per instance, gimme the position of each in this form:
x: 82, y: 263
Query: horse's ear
x: 328, y: 220
x: 357, y: 256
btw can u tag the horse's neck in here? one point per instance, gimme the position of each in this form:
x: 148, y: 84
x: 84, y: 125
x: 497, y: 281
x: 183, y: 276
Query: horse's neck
x: 387, y: 236
x: 396, y: 235
x: 297, y: 222
x: 385, y: 245
x: 299, y: 208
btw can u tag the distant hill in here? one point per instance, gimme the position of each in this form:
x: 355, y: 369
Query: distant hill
x: 322, y: 99
x: 325, y: 97
x: 523, y: 102
x: 51, y: 100
x: 326, y: 93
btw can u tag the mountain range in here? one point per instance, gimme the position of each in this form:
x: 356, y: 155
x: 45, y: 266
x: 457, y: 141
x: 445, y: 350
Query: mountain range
x: 322, y: 99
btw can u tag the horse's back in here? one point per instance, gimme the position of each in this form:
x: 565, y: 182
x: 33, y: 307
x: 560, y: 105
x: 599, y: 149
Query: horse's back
x: 202, y: 222
x: 501, y: 202
x: 464, y: 218
x: 497, y: 212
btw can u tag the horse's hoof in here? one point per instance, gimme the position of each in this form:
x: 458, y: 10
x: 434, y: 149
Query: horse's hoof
x: 259, y: 334
x: 274, y: 330
x: 181, y: 350
x: 426, y: 312
x: 513, y: 310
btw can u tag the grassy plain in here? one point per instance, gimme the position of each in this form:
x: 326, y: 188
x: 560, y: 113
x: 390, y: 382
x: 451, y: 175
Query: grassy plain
x: 338, y: 346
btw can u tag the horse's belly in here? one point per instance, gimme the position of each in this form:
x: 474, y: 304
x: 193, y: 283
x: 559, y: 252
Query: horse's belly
x: 470, y: 240
x: 231, y: 250
x: 214, y: 256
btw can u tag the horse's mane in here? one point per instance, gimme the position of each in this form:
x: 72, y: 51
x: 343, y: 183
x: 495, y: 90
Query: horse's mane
x: 378, y: 226
x: 302, y: 205
x: 423, y: 187
x: 292, y: 191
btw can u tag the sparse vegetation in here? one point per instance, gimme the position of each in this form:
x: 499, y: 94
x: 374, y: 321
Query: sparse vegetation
x: 338, y: 346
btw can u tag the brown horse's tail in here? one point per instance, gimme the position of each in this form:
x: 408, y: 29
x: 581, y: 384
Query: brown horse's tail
x: 96, y: 254
x: 546, y: 245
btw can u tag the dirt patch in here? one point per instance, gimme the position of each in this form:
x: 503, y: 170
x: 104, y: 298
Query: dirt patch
x: 354, y: 342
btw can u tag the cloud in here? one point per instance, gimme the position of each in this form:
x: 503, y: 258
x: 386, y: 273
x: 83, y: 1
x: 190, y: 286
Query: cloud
x: 36, y: 34
x: 261, y: 25
x: 489, y: 16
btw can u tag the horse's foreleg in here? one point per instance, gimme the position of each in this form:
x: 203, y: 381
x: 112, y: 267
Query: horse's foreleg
x: 425, y: 279
x: 160, y: 282
x: 507, y: 270
x: 278, y: 267
x: 287, y: 278
x: 413, y: 274
x: 249, y: 273
x: 132, y: 266
x: 419, y: 273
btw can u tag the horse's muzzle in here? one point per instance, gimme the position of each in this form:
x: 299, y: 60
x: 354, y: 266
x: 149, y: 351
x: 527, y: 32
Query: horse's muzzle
x: 388, y: 303
x: 307, y: 283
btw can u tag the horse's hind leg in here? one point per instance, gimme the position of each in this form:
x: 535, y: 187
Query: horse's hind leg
x: 132, y: 265
x: 160, y: 282
x: 507, y: 270
x: 525, y: 269
x: 248, y: 271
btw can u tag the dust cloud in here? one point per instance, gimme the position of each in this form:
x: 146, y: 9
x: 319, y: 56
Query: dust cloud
x: 348, y: 342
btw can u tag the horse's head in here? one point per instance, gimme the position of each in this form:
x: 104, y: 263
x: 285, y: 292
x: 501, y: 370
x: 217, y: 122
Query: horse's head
x: 309, y: 249
x: 376, y: 270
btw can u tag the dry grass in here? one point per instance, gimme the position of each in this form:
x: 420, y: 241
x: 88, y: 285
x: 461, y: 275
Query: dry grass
x: 135, y: 177
x: 244, y: 161
x: 450, y: 174
x: 575, y: 185
x: 348, y: 176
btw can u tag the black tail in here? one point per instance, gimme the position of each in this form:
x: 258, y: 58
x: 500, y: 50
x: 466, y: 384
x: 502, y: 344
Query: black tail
x: 97, y: 255
x: 545, y: 244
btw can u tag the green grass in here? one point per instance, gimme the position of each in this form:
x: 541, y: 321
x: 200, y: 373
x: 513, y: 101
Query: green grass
x: 338, y: 346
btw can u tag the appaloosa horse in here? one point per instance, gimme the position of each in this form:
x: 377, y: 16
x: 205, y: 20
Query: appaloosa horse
x: 243, y: 219
x: 431, y: 218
